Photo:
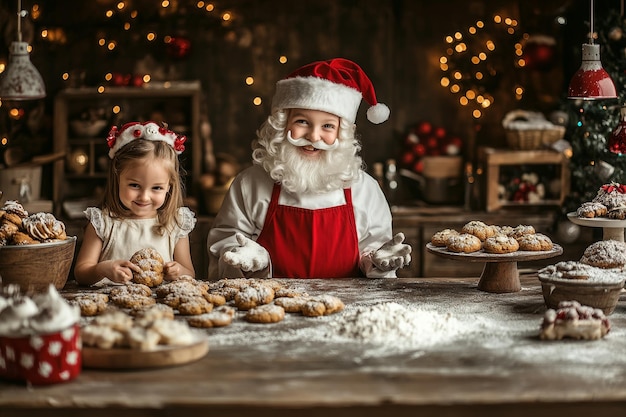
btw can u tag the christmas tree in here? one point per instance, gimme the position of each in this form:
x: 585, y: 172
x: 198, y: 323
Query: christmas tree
x: 592, y: 122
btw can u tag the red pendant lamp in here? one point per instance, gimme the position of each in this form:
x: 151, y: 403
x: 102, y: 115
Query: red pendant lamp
x: 591, y: 81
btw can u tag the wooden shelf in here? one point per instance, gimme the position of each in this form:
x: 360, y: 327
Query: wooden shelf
x: 493, y: 159
x: 135, y: 104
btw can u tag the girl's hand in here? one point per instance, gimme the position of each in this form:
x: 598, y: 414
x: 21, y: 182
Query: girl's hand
x: 173, y: 271
x: 120, y: 271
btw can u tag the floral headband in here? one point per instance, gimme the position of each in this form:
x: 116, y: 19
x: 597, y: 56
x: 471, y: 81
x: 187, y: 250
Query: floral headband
x: 146, y: 130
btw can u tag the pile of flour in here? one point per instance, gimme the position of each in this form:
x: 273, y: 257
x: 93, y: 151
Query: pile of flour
x: 393, y: 323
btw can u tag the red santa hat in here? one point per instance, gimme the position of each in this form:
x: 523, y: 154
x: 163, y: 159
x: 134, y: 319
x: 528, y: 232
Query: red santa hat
x: 146, y: 130
x: 335, y: 86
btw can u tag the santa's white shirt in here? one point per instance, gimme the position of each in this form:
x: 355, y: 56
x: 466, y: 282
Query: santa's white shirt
x: 246, y: 203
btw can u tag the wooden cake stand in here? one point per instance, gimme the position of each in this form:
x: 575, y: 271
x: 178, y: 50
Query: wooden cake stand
x: 500, y: 272
x: 612, y: 229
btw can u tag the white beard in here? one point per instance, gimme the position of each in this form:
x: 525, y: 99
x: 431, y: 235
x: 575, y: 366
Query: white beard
x: 335, y: 169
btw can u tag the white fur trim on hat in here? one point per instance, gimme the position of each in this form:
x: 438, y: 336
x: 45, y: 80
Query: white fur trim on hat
x: 148, y: 130
x: 315, y: 93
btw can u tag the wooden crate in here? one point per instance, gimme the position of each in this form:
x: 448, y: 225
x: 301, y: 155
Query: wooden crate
x: 493, y: 159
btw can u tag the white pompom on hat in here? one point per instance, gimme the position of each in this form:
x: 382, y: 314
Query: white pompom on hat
x: 335, y: 86
x: 143, y: 130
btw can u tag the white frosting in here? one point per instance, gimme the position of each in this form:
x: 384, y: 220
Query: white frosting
x: 44, y: 313
x: 54, y: 314
x: 14, y: 318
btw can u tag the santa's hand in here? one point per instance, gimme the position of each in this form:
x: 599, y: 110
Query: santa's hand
x: 393, y: 254
x: 249, y: 256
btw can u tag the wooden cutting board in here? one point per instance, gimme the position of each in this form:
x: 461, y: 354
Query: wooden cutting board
x: 162, y: 356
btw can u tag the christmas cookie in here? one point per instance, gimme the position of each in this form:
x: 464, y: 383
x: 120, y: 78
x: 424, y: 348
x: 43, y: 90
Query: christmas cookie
x: 522, y: 230
x: 219, y: 317
x: 267, y: 313
x: 322, y: 305
x: 617, y: 213
x: 91, y: 304
x: 575, y: 321
x: 464, y: 242
x: 151, y: 263
x: 253, y: 296
x: 535, y: 242
x: 500, y: 244
x: 291, y: 304
x: 591, y: 210
x: 605, y: 254
x: 440, y: 238
x: 479, y: 229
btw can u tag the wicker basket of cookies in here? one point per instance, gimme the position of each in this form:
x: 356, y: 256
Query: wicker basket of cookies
x: 35, y: 250
x: 526, y: 130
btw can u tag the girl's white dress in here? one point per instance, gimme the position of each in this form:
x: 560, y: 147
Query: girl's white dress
x: 121, y: 238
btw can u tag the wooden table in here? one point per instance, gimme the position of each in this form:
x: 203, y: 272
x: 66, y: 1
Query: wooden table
x: 499, y: 368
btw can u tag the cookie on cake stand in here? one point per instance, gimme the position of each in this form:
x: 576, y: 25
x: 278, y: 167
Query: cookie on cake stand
x: 500, y: 273
x: 612, y: 229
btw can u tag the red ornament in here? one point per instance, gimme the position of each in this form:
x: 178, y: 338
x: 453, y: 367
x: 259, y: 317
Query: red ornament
x: 424, y: 129
x: 617, y: 141
x: 408, y: 158
x: 419, y: 149
x: 137, y: 80
x: 432, y: 143
x: 418, y: 166
x: 440, y: 133
x: 178, y: 47
x: 119, y: 79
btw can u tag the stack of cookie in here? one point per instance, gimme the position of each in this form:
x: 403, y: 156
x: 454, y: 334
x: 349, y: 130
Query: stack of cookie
x: 609, y: 202
x: 17, y: 227
x: 476, y: 235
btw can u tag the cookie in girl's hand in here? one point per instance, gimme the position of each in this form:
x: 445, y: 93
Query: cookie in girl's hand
x: 151, y: 263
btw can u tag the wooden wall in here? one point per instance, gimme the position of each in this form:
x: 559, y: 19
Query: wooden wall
x: 397, y: 42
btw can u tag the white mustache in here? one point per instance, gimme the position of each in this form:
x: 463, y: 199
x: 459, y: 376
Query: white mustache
x: 320, y: 144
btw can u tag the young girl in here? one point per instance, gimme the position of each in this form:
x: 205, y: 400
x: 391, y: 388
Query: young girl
x: 142, y: 207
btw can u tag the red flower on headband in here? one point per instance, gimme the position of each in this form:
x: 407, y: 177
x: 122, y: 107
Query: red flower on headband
x: 614, y: 186
x: 112, y: 137
x: 179, y: 143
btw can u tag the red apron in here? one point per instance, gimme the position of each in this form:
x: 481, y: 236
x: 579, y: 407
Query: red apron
x: 305, y: 243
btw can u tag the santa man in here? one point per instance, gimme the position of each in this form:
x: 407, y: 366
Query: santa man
x: 306, y: 208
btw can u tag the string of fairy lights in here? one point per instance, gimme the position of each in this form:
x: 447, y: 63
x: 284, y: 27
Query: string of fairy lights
x: 475, y: 58
x: 128, y: 18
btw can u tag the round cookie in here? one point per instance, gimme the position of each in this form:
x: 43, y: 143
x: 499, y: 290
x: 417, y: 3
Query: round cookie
x: 479, y: 229
x: 194, y: 306
x: 219, y: 317
x: 133, y: 301
x: 130, y: 288
x: 151, y: 263
x: 253, y: 296
x: 91, y: 304
x: 605, y: 254
x: 500, y: 244
x: 322, y: 305
x: 267, y: 313
x: 617, y: 213
x: 291, y: 304
x: 591, y: 210
x: 440, y: 238
x: 522, y: 230
x: 464, y: 242
x: 535, y: 242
